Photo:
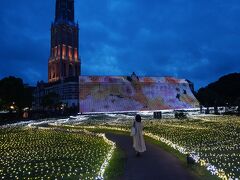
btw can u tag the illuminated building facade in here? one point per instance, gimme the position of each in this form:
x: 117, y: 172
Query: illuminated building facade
x: 133, y: 93
x: 90, y: 94
x: 64, y: 59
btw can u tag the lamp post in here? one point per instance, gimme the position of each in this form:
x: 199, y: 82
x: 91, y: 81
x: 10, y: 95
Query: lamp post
x: 12, y: 107
x: 63, y: 106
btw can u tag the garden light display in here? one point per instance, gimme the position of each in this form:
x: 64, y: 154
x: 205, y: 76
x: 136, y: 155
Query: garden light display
x: 213, y: 142
x: 50, y: 153
x: 41, y: 152
x: 107, y: 159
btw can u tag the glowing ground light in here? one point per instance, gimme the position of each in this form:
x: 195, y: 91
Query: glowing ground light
x: 213, y: 142
x: 107, y: 159
x: 35, y: 153
x: 109, y: 155
x: 214, y: 171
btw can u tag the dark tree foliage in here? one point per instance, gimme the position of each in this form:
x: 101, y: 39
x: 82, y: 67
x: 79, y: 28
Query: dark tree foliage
x: 12, y: 90
x: 51, y: 100
x: 225, y: 91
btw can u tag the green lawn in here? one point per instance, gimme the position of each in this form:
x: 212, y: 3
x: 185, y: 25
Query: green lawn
x: 33, y: 153
x: 115, y: 168
x: 214, y: 139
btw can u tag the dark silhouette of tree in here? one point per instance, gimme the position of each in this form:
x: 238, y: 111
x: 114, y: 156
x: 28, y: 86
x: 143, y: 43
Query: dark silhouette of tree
x: 14, y: 92
x: 2, y: 104
x: 51, y: 101
x: 222, y: 92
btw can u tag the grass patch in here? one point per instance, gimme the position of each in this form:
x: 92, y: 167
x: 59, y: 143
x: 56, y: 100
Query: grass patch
x: 196, y: 169
x: 50, y: 154
x: 115, y: 169
x: 103, y: 130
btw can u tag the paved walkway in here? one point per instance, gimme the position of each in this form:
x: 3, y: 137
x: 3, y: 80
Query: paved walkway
x: 154, y: 164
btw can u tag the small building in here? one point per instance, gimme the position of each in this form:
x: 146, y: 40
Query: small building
x: 66, y: 90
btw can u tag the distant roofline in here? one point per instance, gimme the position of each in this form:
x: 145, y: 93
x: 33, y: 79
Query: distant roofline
x: 141, y: 79
x: 137, y: 76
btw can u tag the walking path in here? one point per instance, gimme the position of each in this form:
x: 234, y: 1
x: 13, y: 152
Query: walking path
x: 154, y: 164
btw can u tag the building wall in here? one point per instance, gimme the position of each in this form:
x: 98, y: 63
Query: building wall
x: 122, y: 93
x: 68, y: 93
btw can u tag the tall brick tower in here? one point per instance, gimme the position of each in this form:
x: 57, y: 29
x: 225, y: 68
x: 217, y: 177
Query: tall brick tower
x: 64, y: 61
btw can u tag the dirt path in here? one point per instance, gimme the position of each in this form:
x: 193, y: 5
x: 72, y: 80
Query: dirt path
x: 155, y: 164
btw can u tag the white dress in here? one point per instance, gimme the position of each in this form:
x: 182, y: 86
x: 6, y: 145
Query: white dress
x: 138, y: 140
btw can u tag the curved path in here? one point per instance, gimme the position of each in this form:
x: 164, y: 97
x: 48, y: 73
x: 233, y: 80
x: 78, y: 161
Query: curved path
x: 154, y: 164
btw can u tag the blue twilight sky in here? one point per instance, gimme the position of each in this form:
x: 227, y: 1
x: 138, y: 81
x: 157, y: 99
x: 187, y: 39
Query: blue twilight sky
x: 194, y: 39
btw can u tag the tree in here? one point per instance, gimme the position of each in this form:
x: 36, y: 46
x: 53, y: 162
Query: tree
x: 13, y: 91
x: 1, y: 104
x: 50, y: 101
x: 224, y: 91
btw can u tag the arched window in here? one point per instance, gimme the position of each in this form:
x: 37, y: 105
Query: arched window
x: 70, y: 52
x: 75, y: 54
x: 63, y: 51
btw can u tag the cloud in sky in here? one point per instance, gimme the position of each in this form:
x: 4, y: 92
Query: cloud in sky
x: 197, y: 40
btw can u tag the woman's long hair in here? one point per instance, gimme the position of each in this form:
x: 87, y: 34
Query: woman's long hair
x: 138, y: 118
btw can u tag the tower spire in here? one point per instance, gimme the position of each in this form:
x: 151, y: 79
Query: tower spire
x: 64, y: 61
x: 64, y: 10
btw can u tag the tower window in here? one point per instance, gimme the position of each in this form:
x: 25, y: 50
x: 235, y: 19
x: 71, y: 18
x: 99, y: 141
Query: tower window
x: 75, y: 54
x: 55, y: 51
x: 70, y: 52
x: 63, y: 51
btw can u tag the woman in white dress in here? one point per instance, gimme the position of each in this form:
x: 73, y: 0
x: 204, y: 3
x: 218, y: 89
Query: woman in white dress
x: 138, y: 140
